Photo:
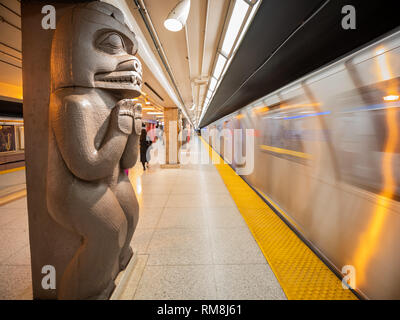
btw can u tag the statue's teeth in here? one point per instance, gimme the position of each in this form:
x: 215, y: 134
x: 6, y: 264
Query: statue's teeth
x: 135, y: 80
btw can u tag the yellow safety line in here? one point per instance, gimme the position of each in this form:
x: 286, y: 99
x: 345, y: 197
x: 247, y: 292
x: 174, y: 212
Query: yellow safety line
x: 12, y: 170
x: 286, y: 151
x: 277, y: 208
x: 12, y: 197
x: 301, y: 274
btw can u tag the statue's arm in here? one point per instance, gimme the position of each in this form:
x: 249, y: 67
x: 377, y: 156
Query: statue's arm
x: 130, y: 155
x: 75, y: 130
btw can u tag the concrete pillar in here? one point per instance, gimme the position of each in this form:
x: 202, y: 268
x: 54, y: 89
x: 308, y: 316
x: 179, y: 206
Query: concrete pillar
x: 44, y: 233
x: 171, y: 129
x: 82, y: 131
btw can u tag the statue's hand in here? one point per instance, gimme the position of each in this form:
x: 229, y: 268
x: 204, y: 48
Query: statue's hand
x: 130, y: 155
x: 138, y: 118
x: 126, y: 112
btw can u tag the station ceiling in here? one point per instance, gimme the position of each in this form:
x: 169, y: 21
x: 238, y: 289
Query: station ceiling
x: 288, y: 39
x: 10, y: 49
x: 190, y: 52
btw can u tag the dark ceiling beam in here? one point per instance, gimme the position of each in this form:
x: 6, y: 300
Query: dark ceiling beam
x: 8, y: 46
x: 10, y: 108
x: 9, y: 9
x: 10, y: 55
x: 4, y: 20
x: 272, y: 55
x: 11, y: 64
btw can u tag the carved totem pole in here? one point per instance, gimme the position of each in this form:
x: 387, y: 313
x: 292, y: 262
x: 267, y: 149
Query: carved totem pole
x: 93, y: 136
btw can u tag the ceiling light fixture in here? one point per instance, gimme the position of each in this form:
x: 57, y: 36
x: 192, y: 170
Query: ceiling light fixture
x: 154, y: 112
x: 219, y: 66
x: 235, y: 23
x: 176, y: 19
x: 235, y: 28
x: 392, y: 97
x: 213, y: 84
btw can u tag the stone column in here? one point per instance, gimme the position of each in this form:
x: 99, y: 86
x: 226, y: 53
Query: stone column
x: 44, y: 233
x: 82, y: 130
x: 171, y: 129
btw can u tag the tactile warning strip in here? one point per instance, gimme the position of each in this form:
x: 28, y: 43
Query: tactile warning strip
x: 301, y: 274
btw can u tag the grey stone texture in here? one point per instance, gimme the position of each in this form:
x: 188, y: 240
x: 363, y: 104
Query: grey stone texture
x: 82, y: 208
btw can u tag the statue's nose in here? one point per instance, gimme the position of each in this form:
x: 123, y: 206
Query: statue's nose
x: 132, y: 64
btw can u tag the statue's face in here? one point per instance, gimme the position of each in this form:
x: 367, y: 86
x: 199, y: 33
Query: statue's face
x: 94, y: 48
x: 125, y: 70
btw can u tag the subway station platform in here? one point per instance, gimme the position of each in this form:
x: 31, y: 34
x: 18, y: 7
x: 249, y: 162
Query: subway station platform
x: 203, y: 233
x: 191, y: 240
x: 288, y: 184
x: 196, y: 243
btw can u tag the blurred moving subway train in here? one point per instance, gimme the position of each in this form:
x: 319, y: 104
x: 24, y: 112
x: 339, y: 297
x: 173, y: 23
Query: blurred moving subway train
x: 327, y: 154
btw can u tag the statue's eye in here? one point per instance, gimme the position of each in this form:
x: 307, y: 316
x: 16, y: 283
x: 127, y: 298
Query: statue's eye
x: 113, y: 43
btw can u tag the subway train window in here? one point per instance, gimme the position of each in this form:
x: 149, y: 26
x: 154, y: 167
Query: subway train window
x: 289, y: 130
x: 327, y: 154
x: 367, y: 144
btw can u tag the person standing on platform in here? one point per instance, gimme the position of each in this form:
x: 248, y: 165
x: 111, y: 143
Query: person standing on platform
x: 144, y: 145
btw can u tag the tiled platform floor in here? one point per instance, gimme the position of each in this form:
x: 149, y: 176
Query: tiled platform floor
x: 196, y: 243
x: 15, y: 269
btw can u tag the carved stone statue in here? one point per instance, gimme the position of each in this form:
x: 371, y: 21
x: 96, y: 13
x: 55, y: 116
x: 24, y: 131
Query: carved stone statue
x: 94, y: 134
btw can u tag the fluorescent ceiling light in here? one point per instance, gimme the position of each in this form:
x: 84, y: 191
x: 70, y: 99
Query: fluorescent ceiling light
x: 249, y: 19
x: 213, y: 84
x: 219, y: 66
x: 146, y: 53
x: 176, y: 19
x: 238, y: 14
x: 154, y: 113
x: 393, y: 97
x: 241, y: 16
